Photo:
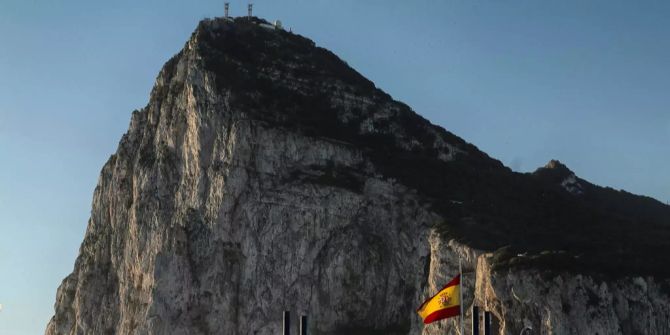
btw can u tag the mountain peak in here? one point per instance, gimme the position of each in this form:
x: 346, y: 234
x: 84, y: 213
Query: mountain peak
x: 265, y: 167
x: 555, y: 164
x: 555, y: 172
x: 554, y: 169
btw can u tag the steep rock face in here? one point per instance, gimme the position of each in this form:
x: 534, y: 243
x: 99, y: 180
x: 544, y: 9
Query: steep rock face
x: 248, y: 186
x: 572, y: 304
x: 206, y: 221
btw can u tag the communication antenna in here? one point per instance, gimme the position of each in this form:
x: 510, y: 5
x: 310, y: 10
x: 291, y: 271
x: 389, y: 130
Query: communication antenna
x: 249, y: 7
x: 225, y: 9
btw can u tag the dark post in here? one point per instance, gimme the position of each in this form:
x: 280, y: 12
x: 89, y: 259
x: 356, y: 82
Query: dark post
x: 475, y: 320
x: 303, y: 325
x: 487, y: 323
x: 287, y: 323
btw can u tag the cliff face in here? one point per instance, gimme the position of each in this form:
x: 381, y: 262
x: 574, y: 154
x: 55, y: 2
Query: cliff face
x: 572, y: 304
x: 266, y: 175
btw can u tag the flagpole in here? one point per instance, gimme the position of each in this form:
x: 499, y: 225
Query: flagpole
x: 460, y: 292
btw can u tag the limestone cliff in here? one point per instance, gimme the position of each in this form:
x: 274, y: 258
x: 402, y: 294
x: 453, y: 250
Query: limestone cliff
x: 572, y: 303
x: 266, y: 175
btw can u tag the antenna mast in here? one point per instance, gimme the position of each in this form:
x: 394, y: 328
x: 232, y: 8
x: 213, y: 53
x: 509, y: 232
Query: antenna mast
x: 225, y: 9
x: 249, y: 7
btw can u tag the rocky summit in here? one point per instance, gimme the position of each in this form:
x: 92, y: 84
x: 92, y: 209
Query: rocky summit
x: 265, y: 175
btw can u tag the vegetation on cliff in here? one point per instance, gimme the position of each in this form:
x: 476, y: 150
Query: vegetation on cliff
x: 284, y: 79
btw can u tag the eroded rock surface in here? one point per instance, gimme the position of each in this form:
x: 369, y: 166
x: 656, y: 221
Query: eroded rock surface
x: 222, y: 208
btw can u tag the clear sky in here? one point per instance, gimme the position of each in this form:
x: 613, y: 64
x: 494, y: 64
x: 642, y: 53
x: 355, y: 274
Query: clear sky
x: 585, y: 82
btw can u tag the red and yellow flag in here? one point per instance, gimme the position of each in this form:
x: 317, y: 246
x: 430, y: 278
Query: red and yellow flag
x: 444, y: 304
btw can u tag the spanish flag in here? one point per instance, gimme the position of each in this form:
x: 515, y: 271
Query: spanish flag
x: 444, y: 304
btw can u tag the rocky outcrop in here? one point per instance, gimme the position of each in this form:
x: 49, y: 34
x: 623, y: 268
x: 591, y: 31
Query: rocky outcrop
x: 563, y: 303
x: 258, y: 182
x: 206, y: 221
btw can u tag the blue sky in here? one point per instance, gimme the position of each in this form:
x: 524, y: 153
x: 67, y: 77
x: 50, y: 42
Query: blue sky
x: 585, y: 82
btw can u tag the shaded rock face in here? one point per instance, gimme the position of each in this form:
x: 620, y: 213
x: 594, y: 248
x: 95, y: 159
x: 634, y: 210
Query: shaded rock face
x: 572, y: 304
x: 217, y: 212
x: 208, y: 222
